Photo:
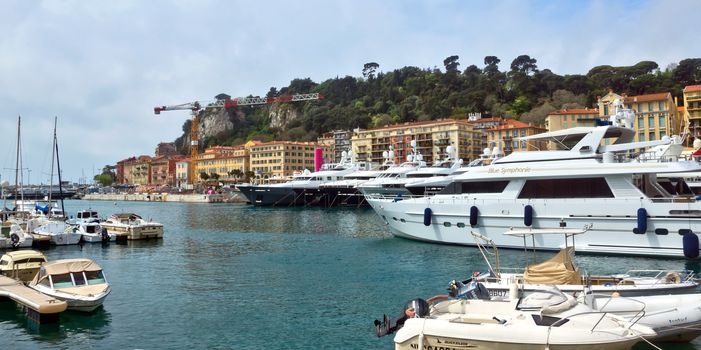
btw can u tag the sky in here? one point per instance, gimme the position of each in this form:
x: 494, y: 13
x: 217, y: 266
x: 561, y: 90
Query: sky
x: 100, y: 67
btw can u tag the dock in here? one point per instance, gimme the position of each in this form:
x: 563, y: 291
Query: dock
x: 41, y: 308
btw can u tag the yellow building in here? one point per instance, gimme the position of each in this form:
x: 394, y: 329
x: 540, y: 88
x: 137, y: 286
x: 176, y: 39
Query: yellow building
x: 656, y: 114
x: 504, y: 136
x: 229, y: 163
x: 432, y: 138
x: 692, y: 109
x: 279, y: 160
x: 137, y: 171
x: 181, y: 173
x: 570, y: 118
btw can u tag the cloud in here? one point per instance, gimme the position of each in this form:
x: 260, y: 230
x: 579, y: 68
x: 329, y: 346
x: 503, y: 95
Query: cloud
x: 101, y: 66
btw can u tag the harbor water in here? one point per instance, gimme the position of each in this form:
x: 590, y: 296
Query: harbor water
x: 233, y: 276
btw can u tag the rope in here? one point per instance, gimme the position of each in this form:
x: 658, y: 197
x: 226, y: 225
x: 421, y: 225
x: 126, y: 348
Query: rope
x: 651, y: 344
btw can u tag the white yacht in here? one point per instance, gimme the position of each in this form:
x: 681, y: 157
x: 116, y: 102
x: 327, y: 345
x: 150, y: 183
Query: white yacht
x: 345, y: 192
x: 434, y: 184
x: 599, y: 180
x: 442, y: 168
x: 302, y: 189
x: 384, y: 183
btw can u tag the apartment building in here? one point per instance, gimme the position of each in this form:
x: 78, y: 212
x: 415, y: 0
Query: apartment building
x: 338, y: 141
x: 692, y: 109
x: 656, y: 114
x: 134, y: 171
x: 163, y: 170
x: 182, y: 170
x: 571, y: 118
x: 229, y: 163
x: 278, y: 160
x: 432, y: 138
x: 505, y: 136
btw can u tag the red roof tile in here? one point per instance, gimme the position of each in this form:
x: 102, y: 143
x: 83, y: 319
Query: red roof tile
x: 692, y: 88
x: 576, y: 111
x: 647, y: 98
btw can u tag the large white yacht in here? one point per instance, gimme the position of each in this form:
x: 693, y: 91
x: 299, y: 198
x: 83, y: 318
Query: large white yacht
x: 384, y: 184
x: 600, y: 180
x: 345, y: 192
x: 302, y: 189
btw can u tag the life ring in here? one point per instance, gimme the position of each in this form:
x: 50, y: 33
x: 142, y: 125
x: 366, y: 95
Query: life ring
x: 14, y: 238
x: 673, y: 277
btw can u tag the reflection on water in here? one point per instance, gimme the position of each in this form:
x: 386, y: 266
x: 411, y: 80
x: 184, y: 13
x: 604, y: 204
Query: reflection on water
x: 91, y: 327
x: 238, y: 276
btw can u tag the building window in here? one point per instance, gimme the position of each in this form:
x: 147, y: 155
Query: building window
x: 641, y: 136
x: 649, y: 106
x: 641, y: 123
x: 651, y: 122
x: 660, y: 106
x: 652, y: 136
x: 661, y: 121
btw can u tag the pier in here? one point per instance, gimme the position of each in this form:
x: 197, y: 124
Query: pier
x: 41, y: 308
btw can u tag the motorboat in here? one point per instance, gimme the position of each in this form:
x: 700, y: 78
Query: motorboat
x: 59, y: 232
x: 561, y: 271
x: 130, y: 226
x: 79, y: 282
x: 547, y: 319
x: 302, y: 189
x: 674, y: 319
x: 93, y: 232
x: 21, y: 265
x: 598, y: 178
x: 386, y: 183
x: 13, y: 236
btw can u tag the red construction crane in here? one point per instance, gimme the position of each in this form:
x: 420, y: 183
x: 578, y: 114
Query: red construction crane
x: 196, y: 106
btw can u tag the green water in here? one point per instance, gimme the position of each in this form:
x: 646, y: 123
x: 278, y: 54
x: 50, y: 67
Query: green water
x: 230, y: 276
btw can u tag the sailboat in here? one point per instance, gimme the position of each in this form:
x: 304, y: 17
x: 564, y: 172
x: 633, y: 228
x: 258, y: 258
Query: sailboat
x: 11, y: 234
x: 56, y: 228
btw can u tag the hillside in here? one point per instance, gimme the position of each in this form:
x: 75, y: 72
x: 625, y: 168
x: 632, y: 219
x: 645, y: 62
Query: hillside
x: 376, y: 98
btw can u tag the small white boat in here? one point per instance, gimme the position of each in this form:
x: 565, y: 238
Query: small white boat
x: 93, y: 232
x: 132, y: 226
x: 546, y: 319
x: 13, y: 236
x: 21, y: 265
x: 59, y: 232
x: 561, y: 271
x: 674, y: 318
x: 79, y: 282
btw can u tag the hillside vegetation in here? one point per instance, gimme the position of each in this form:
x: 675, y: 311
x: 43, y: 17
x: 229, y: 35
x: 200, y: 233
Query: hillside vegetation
x: 377, y: 98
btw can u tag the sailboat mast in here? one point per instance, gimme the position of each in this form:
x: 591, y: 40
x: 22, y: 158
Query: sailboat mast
x: 51, y: 177
x: 58, y: 167
x: 18, y: 163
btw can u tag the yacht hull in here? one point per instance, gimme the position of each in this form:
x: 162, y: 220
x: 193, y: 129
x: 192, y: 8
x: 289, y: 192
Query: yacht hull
x: 268, y: 195
x: 613, y: 231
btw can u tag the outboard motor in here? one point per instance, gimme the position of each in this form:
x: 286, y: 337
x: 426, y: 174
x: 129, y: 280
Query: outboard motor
x: 414, y: 308
x: 469, y: 289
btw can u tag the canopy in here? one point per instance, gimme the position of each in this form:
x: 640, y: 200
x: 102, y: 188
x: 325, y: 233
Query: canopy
x: 59, y: 267
x: 557, y: 270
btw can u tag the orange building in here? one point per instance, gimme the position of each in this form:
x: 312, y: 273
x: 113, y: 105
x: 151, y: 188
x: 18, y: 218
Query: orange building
x: 505, y: 136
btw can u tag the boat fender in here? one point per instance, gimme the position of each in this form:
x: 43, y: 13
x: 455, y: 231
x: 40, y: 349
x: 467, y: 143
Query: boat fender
x: 14, y: 238
x: 690, y: 243
x: 673, y: 277
x: 427, y: 217
x: 528, y: 215
x: 104, y: 235
x: 474, y: 212
x: 642, y: 222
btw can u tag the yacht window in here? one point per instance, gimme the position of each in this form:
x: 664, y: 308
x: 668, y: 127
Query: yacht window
x: 78, y: 278
x: 566, y: 188
x: 62, y: 281
x: 461, y: 224
x: 475, y: 187
x: 95, y: 277
x: 4, y: 262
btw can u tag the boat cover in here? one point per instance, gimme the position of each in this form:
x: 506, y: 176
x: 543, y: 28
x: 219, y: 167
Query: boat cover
x: 59, y: 267
x: 557, y: 270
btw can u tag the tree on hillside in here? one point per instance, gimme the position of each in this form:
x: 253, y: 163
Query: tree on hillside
x: 369, y: 70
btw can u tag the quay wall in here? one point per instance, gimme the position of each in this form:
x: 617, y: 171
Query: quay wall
x: 234, y: 197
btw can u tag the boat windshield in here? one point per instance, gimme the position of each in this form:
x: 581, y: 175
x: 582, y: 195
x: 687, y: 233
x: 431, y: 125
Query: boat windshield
x: 542, y: 298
